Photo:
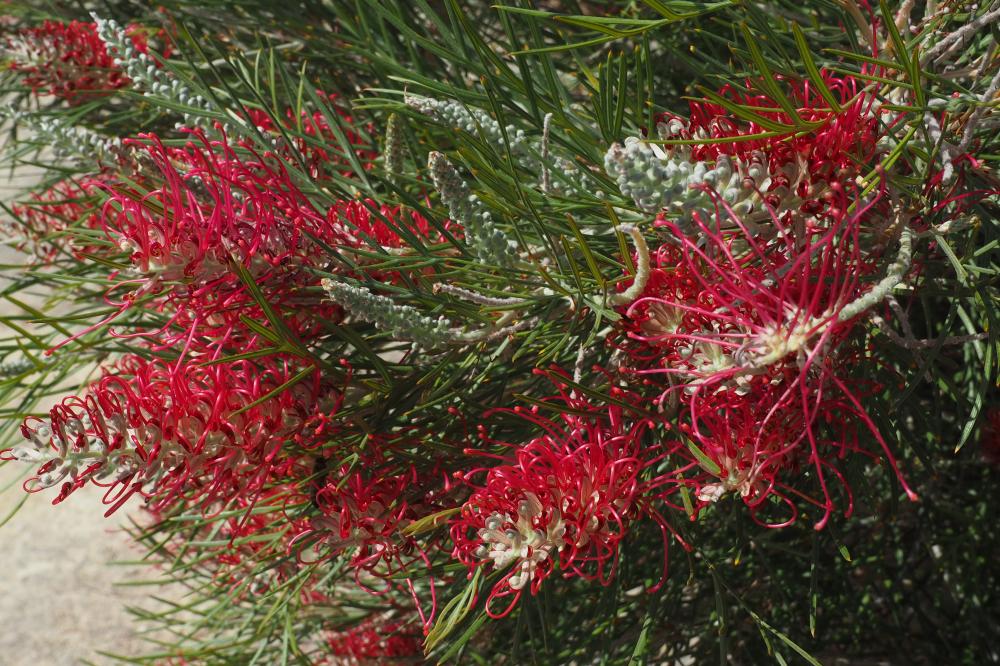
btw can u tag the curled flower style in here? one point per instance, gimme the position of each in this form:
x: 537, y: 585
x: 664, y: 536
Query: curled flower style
x: 169, y: 431
x: 841, y: 140
x: 564, y: 500
x: 68, y: 60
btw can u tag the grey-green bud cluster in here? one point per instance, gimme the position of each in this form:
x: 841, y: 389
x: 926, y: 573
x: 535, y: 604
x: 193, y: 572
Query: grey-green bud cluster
x: 66, y: 139
x: 455, y: 114
x: 144, y: 72
x: 401, y: 321
x: 394, y: 146
x: 656, y: 180
x: 490, y: 243
x: 529, y: 153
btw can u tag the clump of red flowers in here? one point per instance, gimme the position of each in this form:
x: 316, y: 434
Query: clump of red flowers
x: 170, y: 430
x: 748, y: 330
x: 51, y: 222
x: 68, y: 60
x: 318, y: 143
x: 810, y: 171
x: 375, y: 641
x: 563, y: 501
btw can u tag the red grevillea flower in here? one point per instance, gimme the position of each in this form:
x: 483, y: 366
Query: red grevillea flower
x: 811, y: 171
x: 748, y: 329
x: 375, y: 640
x: 47, y: 222
x: 364, y: 511
x: 842, y: 139
x: 359, y: 223
x: 218, y: 207
x: 564, y: 500
x: 989, y: 440
x: 68, y: 60
x: 172, y: 430
x: 320, y: 147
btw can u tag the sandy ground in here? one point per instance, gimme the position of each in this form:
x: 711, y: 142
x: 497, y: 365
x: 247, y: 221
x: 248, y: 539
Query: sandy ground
x: 62, y: 597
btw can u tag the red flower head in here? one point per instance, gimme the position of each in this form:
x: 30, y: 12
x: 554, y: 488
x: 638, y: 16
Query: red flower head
x: 754, y: 329
x: 48, y: 221
x: 320, y: 147
x: 374, y: 641
x: 812, y: 171
x: 68, y: 60
x: 563, y: 500
x: 169, y: 430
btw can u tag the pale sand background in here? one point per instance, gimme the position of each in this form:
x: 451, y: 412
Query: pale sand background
x: 59, y: 602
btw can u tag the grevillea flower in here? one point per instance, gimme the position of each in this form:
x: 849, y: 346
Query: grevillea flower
x: 320, y: 146
x: 376, y: 641
x: 763, y: 162
x: 749, y: 333
x: 48, y: 222
x: 360, y: 221
x: 564, y: 500
x: 170, y: 430
x: 68, y: 60
x: 221, y: 206
x: 363, y: 514
x: 218, y: 207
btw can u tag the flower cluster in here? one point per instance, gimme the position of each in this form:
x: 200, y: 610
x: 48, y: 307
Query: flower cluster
x: 210, y: 416
x: 59, y: 220
x: 751, y: 166
x: 373, y: 642
x: 747, y: 327
x: 563, y: 501
x: 68, y: 60
x: 319, y: 144
x: 167, y: 430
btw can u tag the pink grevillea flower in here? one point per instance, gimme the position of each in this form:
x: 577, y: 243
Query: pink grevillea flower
x: 68, y: 60
x: 48, y: 222
x: 373, y: 228
x: 752, y: 326
x: 563, y: 501
x: 839, y: 138
x: 320, y: 147
x: 376, y: 641
x: 361, y: 223
x: 361, y: 514
x: 174, y: 431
